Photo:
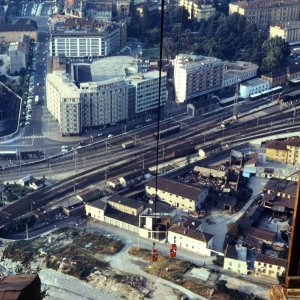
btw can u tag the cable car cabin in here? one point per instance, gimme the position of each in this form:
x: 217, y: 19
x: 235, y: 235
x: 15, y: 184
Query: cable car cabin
x: 154, y: 255
x: 173, y: 248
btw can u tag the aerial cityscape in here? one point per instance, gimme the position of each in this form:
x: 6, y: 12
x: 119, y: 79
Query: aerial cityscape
x: 149, y: 149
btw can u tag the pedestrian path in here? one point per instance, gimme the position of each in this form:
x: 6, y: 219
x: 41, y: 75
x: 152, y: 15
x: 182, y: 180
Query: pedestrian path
x: 34, y: 137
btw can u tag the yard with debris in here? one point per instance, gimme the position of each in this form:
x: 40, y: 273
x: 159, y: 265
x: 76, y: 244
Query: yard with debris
x: 179, y: 272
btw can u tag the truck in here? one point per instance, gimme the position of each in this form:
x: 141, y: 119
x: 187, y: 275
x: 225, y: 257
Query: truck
x: 128, y: 145
x: 36, y: 99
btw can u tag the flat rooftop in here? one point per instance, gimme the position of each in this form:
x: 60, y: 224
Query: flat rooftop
x: 111, y: 67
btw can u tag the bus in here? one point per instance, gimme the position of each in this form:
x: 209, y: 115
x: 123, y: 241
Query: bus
x: 36, y: 99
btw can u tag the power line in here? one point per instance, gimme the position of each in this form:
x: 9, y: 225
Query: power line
x: 159, y: 101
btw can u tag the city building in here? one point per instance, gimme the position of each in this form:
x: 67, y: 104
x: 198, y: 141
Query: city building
x: 133, y: 215
x: 200, y: 10
x: 63, y: 102
x: 267, y: 266
x: 283, y: 76
x: 235, y: 259
x: 110, y: 91
x: 18, y: 54
x: 103, y: 103
x: 190, y: 239
x: 202, y: 105
x: 276, y: 77
x: 284, y: 151
x: 122, y: 7
x: 146, y: 87
x: 252, y: 87
x: 14, y: 32
x: 235, y: 72
x: 263, y: 13
x: 176, y: 194
x: 77, y: 37
x: 289, y: 31
x: 196, y: 75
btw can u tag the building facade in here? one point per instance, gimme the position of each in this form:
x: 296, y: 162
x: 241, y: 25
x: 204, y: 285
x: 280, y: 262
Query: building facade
x: 252, y: 87
x: 235, y: 259
x: 63, y: 102
x: 190, y: 239
x: 177, y: 194
x: 196, y: 75
x: 284, y: 151
x: 103, y: 103
x: 267, y: 266
x: 14, y: 32
x: 85, y: 42
x: 289, y: 31
x: 18, y: 54
x: 200, y: 10
x: 264, y: 13
x: 235, y: 72
x: 146, y: 95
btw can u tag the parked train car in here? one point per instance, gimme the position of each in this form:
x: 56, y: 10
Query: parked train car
x: 166, y: 132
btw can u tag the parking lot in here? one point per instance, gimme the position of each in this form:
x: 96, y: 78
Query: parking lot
x: 34, y: 9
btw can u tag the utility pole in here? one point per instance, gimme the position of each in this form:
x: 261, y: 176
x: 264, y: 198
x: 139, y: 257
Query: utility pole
x: 135, y: 138
x: 105, y: 178
x: 236, y: 100
x: 143, y: 160
x: 26, y: 231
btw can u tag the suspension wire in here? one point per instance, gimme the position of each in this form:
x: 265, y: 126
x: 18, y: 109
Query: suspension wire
x: 158, y: 107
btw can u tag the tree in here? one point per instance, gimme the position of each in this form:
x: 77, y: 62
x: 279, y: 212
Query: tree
x: 233, y: 229
x: 275, y: 52
x: 284, y: 253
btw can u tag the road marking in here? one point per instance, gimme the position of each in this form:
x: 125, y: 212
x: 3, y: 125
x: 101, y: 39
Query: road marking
x: 34, y: 137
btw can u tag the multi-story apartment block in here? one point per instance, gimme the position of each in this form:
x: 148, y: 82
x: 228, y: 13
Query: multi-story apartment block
x: 267, y: 266
x: 63, y: 102
x: 289, y: 31
x: 18, y: 54
x: 147, y: 90
x: 264, y: 13
x: 103, y: 102
x: 177, y: 194
x: 110, y: 96
x: 82, y: 38
x: 253, y: 86
x: 200, y: 10
x: 235, y: 72
x: 284, y: 151
x: 196, y: 75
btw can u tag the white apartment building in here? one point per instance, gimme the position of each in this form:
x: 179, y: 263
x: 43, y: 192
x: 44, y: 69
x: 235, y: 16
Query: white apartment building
x: 235, y: 259
x: 98, y: 42
x: 252, y: 87
x: 289, y: 31
x: 191, y: 239
x: 177, y: 194
x: 147, y: 90
x: 267, y: 266
x: 63, y: 102
x: 196, y: 75
x: 198, y: 9
x: 103, y: 102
